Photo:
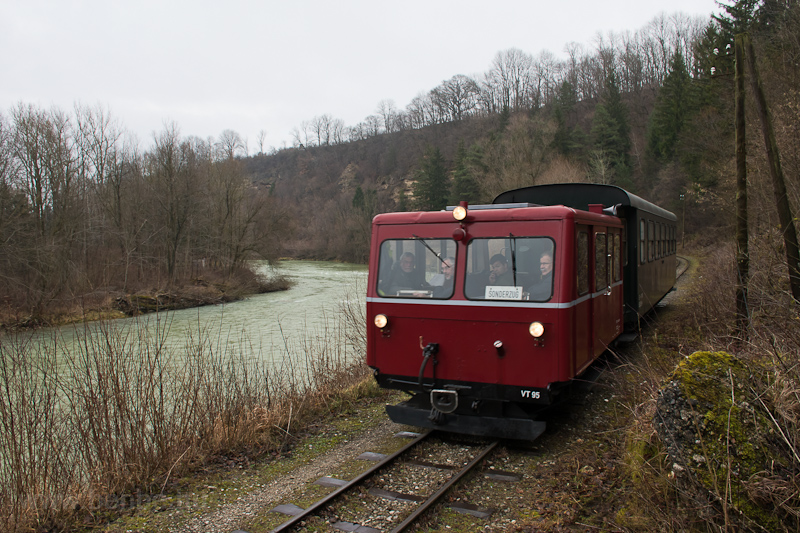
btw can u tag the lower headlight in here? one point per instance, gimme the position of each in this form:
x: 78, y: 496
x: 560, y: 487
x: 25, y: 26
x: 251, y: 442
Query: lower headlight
x: 536, y: 329
x: 381, y: 321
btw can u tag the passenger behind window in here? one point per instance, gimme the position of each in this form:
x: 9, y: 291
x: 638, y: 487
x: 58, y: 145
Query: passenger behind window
x: 542, y: 289
x: 443, y: 283
x: 404, y: 276
x: 498, y: 271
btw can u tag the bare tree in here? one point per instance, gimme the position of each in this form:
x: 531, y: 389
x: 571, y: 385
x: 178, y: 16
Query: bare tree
x: 510, y: 77
x: 173, y: 190
x: 548, y: 69
x: 260, y: 138
x: 387, y: 111
x: 373, y: 125
x: 338, y: 132
x: 416, y: 111
x: 231, y: 144
x: 456, y: 97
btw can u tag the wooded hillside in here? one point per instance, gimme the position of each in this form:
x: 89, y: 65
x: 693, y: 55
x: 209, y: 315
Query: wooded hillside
x: 85, y: 211
x: 651, y: 111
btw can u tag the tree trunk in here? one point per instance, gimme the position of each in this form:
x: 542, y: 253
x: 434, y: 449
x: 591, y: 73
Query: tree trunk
x: 742, y: 257
x: 779, y: 185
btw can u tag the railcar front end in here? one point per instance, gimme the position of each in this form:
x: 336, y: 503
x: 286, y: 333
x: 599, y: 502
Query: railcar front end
x: 484, y: 314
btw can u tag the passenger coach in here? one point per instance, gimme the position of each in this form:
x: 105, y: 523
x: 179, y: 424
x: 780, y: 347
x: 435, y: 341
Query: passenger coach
x: 484, y: 314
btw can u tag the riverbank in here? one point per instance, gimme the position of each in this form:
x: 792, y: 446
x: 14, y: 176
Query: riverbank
x: 111, y: 304
x: 131, y: 407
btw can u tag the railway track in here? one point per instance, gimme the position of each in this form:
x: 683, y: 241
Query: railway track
x: 395, y: 492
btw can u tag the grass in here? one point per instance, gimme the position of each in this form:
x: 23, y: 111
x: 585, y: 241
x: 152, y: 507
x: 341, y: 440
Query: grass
x: 121, y: 414
x: 725, y: 492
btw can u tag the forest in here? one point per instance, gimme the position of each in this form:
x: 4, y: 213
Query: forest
x: 87, y: 215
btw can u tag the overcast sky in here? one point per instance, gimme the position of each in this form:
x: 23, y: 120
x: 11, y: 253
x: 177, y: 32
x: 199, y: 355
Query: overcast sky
x: 271, y: 64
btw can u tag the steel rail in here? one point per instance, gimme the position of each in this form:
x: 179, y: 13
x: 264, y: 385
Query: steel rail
x: 443, y: 489
x: 344, y: 488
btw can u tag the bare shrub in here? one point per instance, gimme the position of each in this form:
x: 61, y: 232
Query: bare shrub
x: 704, y: 320
x: 123, y: 411
x: 354, y: 312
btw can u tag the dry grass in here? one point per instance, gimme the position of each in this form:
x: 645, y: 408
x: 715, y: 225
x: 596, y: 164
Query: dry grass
x: 121, y: 412
x: 704, y: 320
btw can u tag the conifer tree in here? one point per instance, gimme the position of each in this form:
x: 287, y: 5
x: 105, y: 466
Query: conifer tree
x: 358, y: 199
x: 567, y: 139
x: 402, y: 201
x: 611, y: 130
x: 431, y: 188
x: 671, y: 111
x: 465, y: 186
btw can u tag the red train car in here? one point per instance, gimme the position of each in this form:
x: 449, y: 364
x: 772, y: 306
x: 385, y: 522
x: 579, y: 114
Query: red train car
x: 484, y: 314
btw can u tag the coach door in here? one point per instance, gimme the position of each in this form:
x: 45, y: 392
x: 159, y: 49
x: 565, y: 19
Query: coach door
x: 602, y: 302
x: 583, y: 303
x: 607, y: 290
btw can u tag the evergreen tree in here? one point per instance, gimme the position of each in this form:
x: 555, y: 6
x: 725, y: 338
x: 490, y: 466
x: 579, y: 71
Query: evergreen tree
x: 671, y: 111
x: 619, y: 112
x: 567, y: 139
x: 358, y: 199
x: 402, y: 201
x: 505, y: 116
x: 465, y: 186
x: 431, y: 187
x: 740, y: 17
x: 611, y: 131
x: 715, y: 49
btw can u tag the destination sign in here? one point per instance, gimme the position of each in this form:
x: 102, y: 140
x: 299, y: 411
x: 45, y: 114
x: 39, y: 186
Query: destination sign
x: 503, y: 293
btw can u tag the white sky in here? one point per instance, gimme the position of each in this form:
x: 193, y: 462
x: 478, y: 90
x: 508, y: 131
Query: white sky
x: 271, y: 64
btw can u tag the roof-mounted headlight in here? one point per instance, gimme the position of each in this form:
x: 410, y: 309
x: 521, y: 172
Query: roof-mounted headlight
x: 460, y: 211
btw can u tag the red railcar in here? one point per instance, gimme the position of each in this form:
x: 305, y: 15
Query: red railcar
x: 485, y: 313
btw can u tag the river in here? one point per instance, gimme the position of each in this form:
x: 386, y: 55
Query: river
x: 266, y: 326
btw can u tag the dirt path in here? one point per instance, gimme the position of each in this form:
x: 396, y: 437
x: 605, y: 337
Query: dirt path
x: 231, y: 515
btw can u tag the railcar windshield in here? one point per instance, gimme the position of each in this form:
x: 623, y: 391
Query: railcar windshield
x: 417, y: 268
x: 510, y: 268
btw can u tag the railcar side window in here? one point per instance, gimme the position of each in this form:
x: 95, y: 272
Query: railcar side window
x: 582, y: 260
x: 658, y: 240
x: 651, y: 235
x: 642, y: 241
x: 600, y: 262
x: 615, y: 258
x: 417, y: 268
x: 671, y: 240
x: 510, y: 268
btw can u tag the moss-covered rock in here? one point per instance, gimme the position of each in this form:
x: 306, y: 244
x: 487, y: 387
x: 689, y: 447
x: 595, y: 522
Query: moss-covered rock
x: 720, y: 438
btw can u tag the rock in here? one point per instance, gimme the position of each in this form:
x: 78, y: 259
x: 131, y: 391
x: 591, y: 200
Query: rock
x: 719, y: 443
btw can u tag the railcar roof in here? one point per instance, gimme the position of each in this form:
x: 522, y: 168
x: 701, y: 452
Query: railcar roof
x: 580, y: 195
x: 499, y: 214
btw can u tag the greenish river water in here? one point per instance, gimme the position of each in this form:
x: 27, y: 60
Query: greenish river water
x: 265, y: 326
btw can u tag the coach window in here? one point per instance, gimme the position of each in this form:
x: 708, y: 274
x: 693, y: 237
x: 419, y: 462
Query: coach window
x: 582, y: 263
x: 600, y: 262
x: 417, y: 268
x: 651, y: 241
x: 671, y: 236
x: 659, y: 239
x: 642, y: 241
x: 669, y: 240
x: 615, y: 258
x: 510, y: 268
